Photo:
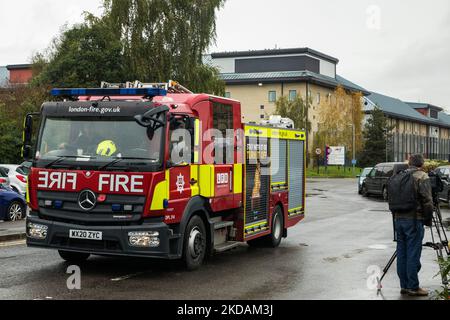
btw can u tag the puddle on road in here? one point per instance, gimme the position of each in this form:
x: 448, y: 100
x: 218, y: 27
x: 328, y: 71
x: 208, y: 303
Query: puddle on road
x: 378, y: 247
x: 303, y: 245
x: 309, y: 195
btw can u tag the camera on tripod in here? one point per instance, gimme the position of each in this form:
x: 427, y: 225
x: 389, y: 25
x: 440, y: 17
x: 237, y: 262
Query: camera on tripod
x: 437, y: 186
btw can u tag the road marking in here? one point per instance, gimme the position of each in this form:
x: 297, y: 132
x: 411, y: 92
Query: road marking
x: 127, y: 277
x: 13, y: 243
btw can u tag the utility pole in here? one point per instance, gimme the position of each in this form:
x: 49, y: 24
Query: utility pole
x: 354, y: 148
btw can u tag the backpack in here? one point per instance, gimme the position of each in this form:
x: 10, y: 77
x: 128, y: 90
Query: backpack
x: 402, y: 192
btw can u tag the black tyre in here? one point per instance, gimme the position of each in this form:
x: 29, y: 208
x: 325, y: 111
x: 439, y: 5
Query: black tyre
x: 364, y: 191
x: 272, y: 240
x: 194, y: 247
x: 16, y: 211
x: 73, y: 257
x: 385, y: 194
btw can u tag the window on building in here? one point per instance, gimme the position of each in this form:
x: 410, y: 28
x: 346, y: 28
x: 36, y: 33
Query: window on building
x: 272, y: 96
x: 262, y: 116
x: 228, y: 95
x: 434, y: 114
x: 318, y: 98
x: 292, y: 95
x: 262, y: 107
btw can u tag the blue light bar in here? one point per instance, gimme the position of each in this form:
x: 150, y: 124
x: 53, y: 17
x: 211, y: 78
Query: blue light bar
x: 144, y: 92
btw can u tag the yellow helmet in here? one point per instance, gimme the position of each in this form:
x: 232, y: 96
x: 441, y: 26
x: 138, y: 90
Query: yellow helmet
x: 106, y: 148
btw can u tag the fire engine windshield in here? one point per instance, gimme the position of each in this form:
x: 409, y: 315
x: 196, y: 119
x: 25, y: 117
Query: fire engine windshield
x: 104, y: 141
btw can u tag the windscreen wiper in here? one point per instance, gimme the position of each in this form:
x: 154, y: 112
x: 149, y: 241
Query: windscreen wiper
x: 117, y: 160
x: 62, y: 158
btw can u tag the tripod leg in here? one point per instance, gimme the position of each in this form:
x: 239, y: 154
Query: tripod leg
x: 438, y: 250
x: 441, y: 227
x: 388, y: 266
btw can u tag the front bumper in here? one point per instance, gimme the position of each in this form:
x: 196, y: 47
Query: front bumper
x: 115, y: 239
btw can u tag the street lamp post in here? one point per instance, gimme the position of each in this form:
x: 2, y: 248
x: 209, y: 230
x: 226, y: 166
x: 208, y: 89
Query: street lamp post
x: 354, y: 146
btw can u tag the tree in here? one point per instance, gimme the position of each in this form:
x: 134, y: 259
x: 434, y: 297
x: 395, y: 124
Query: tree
x: 338, y: 115
x: 15, y: 103
x: 166, y: 39
x: 145, y: 40
x: 375, y: 139
x: 83, y: 55
x: 296, y: 110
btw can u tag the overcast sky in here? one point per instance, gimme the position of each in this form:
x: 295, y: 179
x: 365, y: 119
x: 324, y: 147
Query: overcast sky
x: 395, y: 47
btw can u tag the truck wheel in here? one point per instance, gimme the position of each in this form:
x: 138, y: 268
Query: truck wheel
x: 194, y: 247
x: 73, y: 257
x: 364, y: 191
x: 272, y: 240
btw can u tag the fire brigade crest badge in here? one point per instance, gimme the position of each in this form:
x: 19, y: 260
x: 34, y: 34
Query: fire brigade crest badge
x: 180, y: 183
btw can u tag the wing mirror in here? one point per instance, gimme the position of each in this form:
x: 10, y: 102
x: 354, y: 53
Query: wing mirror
x: 27, y: 148
x: 152, y: 118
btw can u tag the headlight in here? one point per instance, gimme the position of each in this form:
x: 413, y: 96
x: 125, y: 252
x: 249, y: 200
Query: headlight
x: 145, y: 239
x: 37, y: 231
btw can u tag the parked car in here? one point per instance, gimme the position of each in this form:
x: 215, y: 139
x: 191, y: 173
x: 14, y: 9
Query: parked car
x: 13, y: 206
x: 444, y: 174
x: 4, y: 177
x: 17, y: 177
x: 362, y: 178
x: 376, y: 181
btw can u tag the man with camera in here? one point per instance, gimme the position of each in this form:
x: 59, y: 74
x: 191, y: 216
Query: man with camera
x: 411, y: 203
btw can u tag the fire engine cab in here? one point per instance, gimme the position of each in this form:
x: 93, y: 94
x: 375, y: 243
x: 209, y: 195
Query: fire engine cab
x: 154, y: 170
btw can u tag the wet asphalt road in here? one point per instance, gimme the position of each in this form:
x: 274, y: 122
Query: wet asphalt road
x: 324, y: 257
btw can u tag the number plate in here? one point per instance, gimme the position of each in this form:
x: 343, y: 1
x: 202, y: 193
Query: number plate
x: 87, y: 235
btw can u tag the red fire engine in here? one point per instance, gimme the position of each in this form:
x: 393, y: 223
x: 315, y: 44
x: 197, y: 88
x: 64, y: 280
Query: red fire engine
x: 153, y: 170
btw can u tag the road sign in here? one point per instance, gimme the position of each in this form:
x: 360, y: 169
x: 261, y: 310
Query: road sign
x: 354, y: 162
x: 336, y: 156
x: 318, y: 151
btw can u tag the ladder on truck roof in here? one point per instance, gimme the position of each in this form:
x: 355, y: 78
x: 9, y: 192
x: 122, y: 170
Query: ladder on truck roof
x: 147, y: 90
x: 170, y: 87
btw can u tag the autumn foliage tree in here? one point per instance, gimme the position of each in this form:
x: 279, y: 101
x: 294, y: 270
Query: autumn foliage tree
x: 296, y: 110
x: 338, y: 115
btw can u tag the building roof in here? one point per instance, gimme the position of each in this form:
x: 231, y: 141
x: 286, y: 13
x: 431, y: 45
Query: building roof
x: 18, y: 66
x: 290, y: 76
x: 270, y: 52
x: 398, y: 109
x: 348, y: 84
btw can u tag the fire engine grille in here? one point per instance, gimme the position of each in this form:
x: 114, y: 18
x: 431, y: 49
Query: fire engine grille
x: 257, y: 182
x: 71, y: 212
x: 296, y: 176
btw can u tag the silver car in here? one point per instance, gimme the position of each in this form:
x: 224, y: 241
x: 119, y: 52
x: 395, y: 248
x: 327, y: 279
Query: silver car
x: 17, y: 176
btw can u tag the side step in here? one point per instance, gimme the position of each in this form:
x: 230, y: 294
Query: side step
x: 226, y: 246
x: 223, y: 224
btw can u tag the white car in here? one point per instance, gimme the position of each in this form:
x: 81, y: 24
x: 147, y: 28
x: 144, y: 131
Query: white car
x: 17, y: 177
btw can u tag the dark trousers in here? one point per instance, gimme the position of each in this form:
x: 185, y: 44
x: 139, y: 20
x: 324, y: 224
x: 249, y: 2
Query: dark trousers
x: 410, y: 235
